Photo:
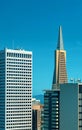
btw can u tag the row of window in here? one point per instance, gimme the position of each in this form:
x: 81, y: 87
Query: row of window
x: 20, y: 72
x: 19, y: 111
x: 17, y: 85
x: 16, y: 59
x: 21, y: 117
x: 21, y: 96
x: 22, y: 83
x: 23, y: 80
x: 22, y: 90
x: 20, y: 108
x: 19, y: 105
x: 18, y: 62
x: 19, y: 75
x: 20, y: 66
x: 12, y: 122
x: 19, y: 127
x: 20, y: 114
x: 18, y: 78
x: 19, y: 55
x: 12, y: 103
x: 25, y: 69
x: 16, y: 92
x: 20, y: 87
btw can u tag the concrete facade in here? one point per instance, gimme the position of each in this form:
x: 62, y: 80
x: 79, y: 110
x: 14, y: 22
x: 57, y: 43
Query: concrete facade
x: 37, y: 111
x: 69, y: 106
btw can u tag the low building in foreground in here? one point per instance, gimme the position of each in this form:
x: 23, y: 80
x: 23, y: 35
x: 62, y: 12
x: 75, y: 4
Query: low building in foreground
x: 63, y: 107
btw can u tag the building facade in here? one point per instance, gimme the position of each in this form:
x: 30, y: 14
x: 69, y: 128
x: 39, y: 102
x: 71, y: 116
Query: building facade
x: 51, y: 110
x: 37, y: 115
x: 60, y: 73
x: 15, y: 90
x: 70, y: 106
x: 63, y: 107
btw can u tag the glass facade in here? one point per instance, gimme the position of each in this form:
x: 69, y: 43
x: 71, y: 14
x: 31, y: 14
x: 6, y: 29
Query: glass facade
x: 51, y: 110
x: 80, y: 107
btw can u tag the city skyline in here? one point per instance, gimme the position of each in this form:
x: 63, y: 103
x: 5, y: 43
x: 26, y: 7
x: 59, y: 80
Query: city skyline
x: 33, y: 25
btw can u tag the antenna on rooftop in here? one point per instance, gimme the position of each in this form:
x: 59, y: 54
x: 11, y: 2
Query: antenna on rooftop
x: 13, y: 44
x: 73, y: 80
x: 79, y: 80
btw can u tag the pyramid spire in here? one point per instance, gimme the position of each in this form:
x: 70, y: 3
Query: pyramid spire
x: 60, y: 73
x: 60, y: 45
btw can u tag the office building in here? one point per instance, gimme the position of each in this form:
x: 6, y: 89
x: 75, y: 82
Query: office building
x: 63, y: 107
x: 37, y: 112
x: 15, y: 90
x: 60, y: 73
x: 51, y: 110
x: 70, y: 106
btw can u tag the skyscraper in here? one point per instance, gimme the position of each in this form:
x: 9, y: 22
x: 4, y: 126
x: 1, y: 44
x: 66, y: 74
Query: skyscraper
x: 52, y: 97
x: 60, y: 74
x: 15, y: 90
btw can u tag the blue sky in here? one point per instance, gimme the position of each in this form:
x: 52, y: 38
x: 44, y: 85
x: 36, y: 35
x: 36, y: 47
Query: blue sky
x: 33, y: 25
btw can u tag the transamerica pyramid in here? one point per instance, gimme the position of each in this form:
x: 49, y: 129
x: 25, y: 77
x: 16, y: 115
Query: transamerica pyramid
x: 60, y: 45
x: 60, y: 74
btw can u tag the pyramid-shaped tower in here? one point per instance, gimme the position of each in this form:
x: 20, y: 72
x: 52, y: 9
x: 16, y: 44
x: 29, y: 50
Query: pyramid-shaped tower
x: 60, y: 74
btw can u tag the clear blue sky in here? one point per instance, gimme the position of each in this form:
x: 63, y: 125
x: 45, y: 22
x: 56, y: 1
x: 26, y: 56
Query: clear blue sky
x: 33, y: 25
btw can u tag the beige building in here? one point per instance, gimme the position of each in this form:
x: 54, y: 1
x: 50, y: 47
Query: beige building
x: 37, y: 109
x: 60, y: 74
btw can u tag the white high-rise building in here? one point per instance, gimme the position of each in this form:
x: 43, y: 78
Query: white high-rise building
x: 15, y: 90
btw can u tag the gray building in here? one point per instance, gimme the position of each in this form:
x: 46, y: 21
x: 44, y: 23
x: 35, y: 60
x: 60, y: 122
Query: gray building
x: 71, y: 106
x: 51, y: 110
x: 15, y: 90
x: 63, y: 107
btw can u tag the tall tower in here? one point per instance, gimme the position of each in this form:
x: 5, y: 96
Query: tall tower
x: 60, y: 74
x: 52, y: 97
x: 15, y: 90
